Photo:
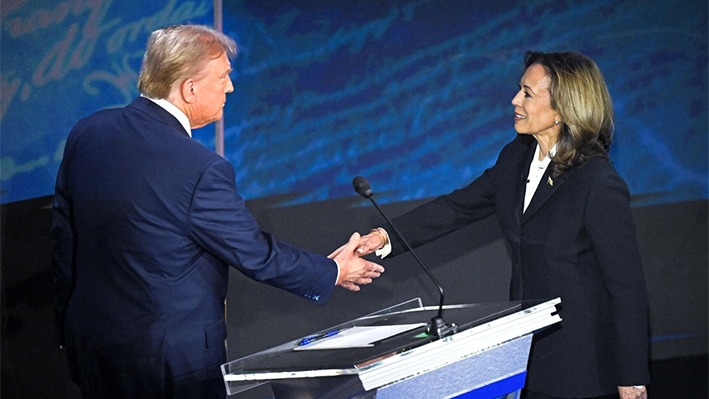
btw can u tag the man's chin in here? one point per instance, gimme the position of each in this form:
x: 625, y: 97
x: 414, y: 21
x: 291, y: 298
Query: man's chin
x: 203, y: 124
x: 217, y: 117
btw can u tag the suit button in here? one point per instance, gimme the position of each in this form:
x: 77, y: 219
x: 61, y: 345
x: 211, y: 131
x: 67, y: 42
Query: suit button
x: 515, y: 239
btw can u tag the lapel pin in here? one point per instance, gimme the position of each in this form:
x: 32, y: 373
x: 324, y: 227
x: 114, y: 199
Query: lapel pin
x: 550, y: 181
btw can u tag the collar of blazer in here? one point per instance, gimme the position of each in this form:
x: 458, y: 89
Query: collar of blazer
x: 158, y: 113
x: 547, y: 187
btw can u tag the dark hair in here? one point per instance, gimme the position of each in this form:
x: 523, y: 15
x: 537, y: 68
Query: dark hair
x: 579, y: 95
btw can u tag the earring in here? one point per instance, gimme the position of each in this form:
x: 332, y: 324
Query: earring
x: 556, y: 122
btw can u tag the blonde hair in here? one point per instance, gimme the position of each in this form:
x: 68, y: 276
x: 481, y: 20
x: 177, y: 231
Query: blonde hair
x: 178, y: 52
x: 579, y: 95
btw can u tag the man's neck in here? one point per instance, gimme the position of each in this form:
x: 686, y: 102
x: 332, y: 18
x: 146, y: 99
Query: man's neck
x: 174, y: 111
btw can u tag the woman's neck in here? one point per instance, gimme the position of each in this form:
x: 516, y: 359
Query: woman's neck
x: 545, y: 145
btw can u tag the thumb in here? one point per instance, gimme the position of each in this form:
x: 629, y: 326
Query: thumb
x: 336, y: 252
x: 351, y: 244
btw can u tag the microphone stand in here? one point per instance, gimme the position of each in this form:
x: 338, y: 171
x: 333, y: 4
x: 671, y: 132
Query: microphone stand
x: 438, y: 327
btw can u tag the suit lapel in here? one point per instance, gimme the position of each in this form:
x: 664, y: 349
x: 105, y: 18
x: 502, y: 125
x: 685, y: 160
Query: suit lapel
x: 547, y: 187
x: 523, y: 172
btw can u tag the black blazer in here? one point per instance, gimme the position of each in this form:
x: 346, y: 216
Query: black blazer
x: 575, y: 241
x: 147, y: 223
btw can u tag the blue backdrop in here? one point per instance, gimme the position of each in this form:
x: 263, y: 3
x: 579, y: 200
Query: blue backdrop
x: 60, y: 62
x: 413, y: 95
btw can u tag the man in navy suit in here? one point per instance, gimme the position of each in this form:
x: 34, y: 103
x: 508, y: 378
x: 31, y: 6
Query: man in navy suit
x: 147, y: 223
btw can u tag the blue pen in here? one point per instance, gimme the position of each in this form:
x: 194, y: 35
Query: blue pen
x: 317, y: 337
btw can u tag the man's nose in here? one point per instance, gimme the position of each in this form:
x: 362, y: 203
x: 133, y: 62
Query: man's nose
x: 229, y: 85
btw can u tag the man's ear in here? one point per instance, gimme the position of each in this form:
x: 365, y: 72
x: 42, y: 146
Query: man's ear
x: 187, y: 90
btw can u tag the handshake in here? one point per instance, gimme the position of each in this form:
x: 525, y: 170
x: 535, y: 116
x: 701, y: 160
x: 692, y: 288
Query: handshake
x: 355, y: 271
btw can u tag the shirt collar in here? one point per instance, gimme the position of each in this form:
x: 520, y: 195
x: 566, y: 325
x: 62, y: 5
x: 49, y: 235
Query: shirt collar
x: 552, y: 152
x: 546, y: 159
x: 174, y: 111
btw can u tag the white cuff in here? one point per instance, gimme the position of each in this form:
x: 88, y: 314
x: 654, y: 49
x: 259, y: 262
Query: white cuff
x: 338, y: 271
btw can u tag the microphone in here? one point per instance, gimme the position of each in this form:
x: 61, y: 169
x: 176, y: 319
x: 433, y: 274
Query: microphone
x: 438, y: 327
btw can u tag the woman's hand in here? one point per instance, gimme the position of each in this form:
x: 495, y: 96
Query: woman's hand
x: 371, y: 242
x: 632, y: 392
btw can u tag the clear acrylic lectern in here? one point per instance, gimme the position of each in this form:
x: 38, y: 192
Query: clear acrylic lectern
x: 485, y: 358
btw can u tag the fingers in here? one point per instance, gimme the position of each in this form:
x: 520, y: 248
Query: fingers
x: 375, y: 268
x: 354, y: 285
x: 354, y: 271
x: 352, y: 243
x: 369, y: 244
x: 364, y: 272
x: 632, y: 392
x: 350, y: 246
x: 360, y: 245
x: 364, y: 279
x: 350, y: 286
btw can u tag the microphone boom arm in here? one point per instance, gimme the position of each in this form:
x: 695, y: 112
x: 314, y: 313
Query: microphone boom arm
x: 406, y: 244
x: 438, y: 327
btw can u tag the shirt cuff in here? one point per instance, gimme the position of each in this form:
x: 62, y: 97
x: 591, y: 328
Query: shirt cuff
x: 337, y: 278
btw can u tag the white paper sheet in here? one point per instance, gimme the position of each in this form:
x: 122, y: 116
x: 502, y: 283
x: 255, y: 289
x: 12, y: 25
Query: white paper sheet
x: 358, y: 337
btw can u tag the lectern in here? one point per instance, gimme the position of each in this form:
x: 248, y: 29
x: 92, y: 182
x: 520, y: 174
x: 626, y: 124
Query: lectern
x: 485, y: 358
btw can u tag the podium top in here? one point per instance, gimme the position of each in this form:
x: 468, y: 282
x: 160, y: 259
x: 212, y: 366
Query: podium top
x: 515, y: 319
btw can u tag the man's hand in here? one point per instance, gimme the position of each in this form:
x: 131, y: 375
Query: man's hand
x: 354, y: 271
x: 632, y: 393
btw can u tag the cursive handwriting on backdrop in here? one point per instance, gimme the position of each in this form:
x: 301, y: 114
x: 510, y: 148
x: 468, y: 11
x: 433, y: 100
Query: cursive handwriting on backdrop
x: 77, y: 28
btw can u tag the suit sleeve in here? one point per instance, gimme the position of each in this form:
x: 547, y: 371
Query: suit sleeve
x: 610, y: 226
x: 63, y: 247
x: 221, y: 224
x: 450, y: 212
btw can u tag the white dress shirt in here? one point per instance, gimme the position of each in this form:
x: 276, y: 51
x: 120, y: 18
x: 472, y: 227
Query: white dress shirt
x: 537, y: 168
x: 174, y: 111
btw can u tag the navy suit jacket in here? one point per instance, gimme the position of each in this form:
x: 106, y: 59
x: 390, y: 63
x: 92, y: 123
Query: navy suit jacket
x: 576, y: 241
x: 147, y: 222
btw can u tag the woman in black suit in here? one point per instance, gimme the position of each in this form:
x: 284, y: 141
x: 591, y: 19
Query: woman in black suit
x: 566, y: 215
